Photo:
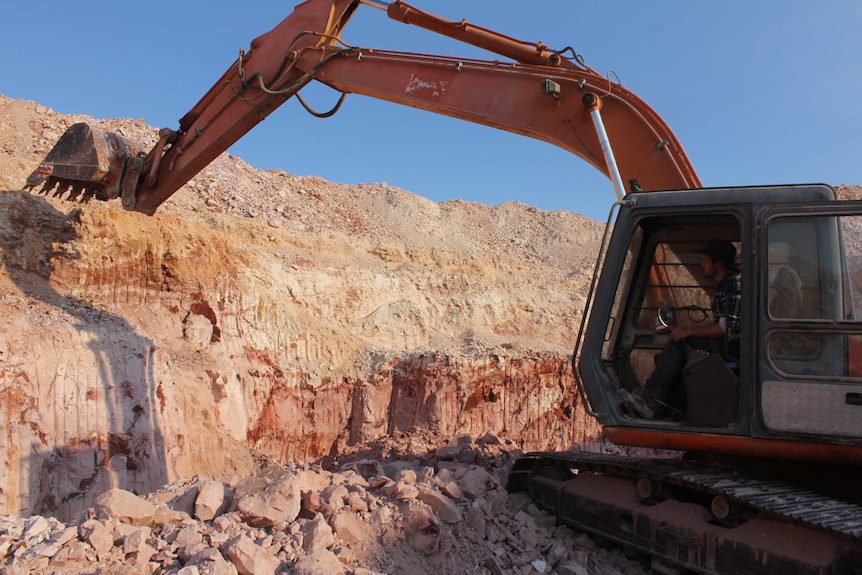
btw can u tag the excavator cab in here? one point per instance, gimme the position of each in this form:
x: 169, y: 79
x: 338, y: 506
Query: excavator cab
x: 770, y: 423
x: 792, y: 381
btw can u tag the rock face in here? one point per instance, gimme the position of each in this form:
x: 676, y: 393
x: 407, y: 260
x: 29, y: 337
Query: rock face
x: 265, y: 314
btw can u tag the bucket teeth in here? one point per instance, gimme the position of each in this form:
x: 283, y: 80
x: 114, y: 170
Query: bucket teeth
x: 74, y: 191
x: 84, y: 163
x: 69, y: 190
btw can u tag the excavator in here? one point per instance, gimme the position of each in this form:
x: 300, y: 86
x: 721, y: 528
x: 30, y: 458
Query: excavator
x: 771, y: 440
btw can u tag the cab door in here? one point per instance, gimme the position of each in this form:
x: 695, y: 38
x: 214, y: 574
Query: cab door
x: 809, y: 373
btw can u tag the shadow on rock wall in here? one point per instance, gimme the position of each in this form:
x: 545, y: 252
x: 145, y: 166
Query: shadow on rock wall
x: 86, y: 395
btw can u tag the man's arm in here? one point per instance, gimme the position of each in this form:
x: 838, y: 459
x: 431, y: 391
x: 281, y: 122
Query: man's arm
x: 711, y: 330
x: 733, y: 307
x: 728, y: 315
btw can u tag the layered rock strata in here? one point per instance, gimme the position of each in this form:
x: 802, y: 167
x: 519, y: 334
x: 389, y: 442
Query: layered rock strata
x: 264, y: 314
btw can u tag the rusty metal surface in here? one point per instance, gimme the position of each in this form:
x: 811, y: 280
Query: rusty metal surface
x: 739, y: 445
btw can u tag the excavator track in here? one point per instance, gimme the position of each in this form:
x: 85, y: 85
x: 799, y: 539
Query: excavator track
x: 688, y: 515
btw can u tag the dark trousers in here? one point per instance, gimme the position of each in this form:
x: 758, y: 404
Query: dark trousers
x: 664, y: 385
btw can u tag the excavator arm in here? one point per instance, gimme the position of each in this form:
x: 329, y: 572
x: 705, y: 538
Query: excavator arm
x: 552, y: 105
x: 540, y: 94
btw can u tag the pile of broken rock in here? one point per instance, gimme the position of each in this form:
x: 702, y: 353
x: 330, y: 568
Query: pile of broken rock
x: 433, y: 514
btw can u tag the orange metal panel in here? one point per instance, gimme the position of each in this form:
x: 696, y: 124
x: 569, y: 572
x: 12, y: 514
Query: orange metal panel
x: 802, y: 451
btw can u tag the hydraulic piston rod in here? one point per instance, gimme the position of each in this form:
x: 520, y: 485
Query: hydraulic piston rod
x: 593, y: 104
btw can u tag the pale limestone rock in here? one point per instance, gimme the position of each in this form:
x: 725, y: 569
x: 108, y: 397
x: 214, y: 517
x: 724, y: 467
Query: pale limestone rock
x: 356, y: 502
x: 210, y: 500
x: 349, y: 528
x: 313, y: 481
x: 388, y: 487
x: 379, y: 481
x: 125, y: 506
x: 406, y: 476
x: 353, y: 479
x: 64, y: 536
x: 51, y: 546
x: 393, y: 468
x: 405, y: 491
x: 169, y: 517
x: 476, y: 482
x: 280, y: 501
x: 311, y: 503
x: 334, y: 498
x: 135, y: 540
x: 497, y: 499
x: 78, y: 552
x: 249, y: 558
x: 216, y: 538
x: 445, y: 475
x: 38, y: 528
x: 476, y: 519
x: 142, y: 555
x: 183, y: 501
x: 187, y: 537
x: 540, y: 565
x: 223, y: 523
x: 584, y: 540
x: 39, y: 563
x: 417, y: 516
x: 320, y: 562
x: 442, y: 506
x: 44, y: 549
x: 451, y: 489
x: 212, y: 562
x: 97, y: 535
x: 259, y: 481
x: 522, y: 538
x: 425, y: 474
x: 317, y: 534
x: 60, y: 559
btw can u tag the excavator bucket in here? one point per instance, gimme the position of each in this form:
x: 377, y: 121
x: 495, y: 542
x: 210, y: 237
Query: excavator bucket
x: 86, y: 162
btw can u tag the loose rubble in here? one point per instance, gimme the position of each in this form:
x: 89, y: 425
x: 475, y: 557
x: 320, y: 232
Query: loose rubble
x: 386, y: 510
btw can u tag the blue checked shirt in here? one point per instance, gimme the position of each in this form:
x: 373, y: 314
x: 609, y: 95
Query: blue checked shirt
x: 727, y: 302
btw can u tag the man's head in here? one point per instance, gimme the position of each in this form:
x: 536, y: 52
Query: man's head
x: 719, y: 256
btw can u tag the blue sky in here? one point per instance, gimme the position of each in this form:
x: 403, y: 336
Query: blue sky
x: 762, y: 92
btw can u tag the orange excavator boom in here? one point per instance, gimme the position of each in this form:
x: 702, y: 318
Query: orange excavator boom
x: 541, y: 93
